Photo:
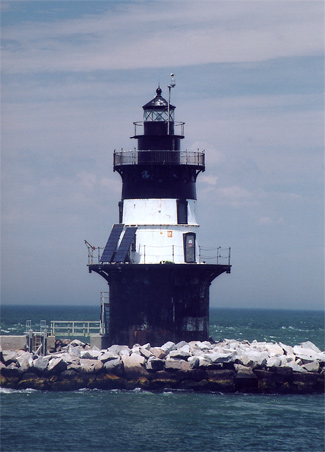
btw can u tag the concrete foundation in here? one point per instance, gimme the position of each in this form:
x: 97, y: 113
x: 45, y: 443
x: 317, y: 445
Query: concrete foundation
x: 99, y: 341
x: 13, y: 342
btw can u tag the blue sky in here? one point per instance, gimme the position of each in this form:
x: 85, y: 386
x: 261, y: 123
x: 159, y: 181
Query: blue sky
x: 249, y: 85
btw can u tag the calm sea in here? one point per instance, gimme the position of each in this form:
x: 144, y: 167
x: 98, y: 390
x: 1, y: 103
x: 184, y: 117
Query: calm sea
x: 128, y: 421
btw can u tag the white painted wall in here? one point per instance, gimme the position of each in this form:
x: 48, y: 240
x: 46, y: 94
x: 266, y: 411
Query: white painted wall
x: 156, y: 211
x: 155, y: 244
x: 159, y: 238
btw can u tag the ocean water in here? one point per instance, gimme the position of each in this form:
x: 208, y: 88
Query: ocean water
x: 128, y: 421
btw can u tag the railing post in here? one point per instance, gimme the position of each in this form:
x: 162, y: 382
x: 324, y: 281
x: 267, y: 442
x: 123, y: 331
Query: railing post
x: 173, y: 254
x: 219, y: 247
x: 229, y: 255
x: 144, y: 254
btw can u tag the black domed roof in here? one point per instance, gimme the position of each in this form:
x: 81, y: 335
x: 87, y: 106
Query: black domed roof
x: 158, y: 102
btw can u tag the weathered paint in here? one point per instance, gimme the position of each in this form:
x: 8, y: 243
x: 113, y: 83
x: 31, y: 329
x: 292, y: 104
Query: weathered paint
x: 161, y: 290
x: 162, y: 301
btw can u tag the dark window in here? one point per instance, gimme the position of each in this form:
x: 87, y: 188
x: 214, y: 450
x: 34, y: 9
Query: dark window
x: 134, y: 244
x: 182, y: 211
x: 189, y: 247
x: 120, y: 212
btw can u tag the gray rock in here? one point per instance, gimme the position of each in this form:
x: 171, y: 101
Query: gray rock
x: 273, y: 349
x: 90, y: 366
x: 41, y: 363
x: 90, y: 354
x: 74, y: 350
x: 204, y: 361
x: 9, y: 356
x: 288, y: 350
x: 25, y: 360
x: 77, y: 343
x: 113, y: 365
x: 145, y: 352
x: 204, y: 346
x: 168, y: 347
x: 116, y: 349
x: 176, y: 364
x: 311, y: 346
x: 273, y: 361
x: 155, y: 364
x: 244, y: 372
x: 253, y: 358
x: 180, y: 344
x: 179, y: 354
x: 146, y: 346
x: 294, y: 366
x: 194, y: 362
x: 56, y: 365
x: 158, y: 352
x: 312, y: 367
x: 133, y: 365
x: 108, y: 356
x: 221, y: 357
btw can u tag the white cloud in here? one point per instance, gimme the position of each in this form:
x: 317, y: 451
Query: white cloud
x: 266, y: 221
x: 149, y: 34
x: 261, y: 129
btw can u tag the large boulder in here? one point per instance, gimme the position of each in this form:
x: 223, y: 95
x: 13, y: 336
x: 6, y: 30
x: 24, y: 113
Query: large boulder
x: 218, y: 358
x: 77, y: 343
x: 309, y: 345
x: 158, y: 352
x: 176, y: 364
x: 114, y: 366
x: 74, y: 350
x: 25, y: 360
x: 144, y: 351
x: 312, y: 366
x: 168, y: 347
x: 117, y: 349
x: 56, y: 366
x: 155, y: 364
x: 90, y: 354
x: 108, y: 356
x: 181, y: 353
x: 90, y: 366
x: 252, y: 358
x: 9, y: 356
x: 133, y: 366
x: 40, y: 364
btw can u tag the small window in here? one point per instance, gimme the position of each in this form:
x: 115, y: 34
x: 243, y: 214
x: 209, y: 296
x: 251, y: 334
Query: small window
x: 134, y: 244
x: 120, y: 212
x: 189, y: 247
x: 182, y: 211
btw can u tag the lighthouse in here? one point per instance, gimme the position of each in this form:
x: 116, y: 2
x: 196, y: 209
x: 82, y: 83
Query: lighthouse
x: 152, y: 261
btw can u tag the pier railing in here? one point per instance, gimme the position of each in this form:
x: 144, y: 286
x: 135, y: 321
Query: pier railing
x: 74, y: 328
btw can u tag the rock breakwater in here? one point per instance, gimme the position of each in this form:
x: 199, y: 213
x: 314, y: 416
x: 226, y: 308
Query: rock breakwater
x: 227, y: 366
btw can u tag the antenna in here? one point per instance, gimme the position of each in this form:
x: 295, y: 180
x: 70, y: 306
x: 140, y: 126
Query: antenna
x: 170, y: 86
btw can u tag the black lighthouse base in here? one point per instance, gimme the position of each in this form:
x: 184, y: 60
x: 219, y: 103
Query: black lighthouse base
x: 157, y: 303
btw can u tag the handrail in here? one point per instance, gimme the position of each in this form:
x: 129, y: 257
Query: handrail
x: 159, y: 157
x: 171, y: 253
x: 74, y: 327
x: 179, y: 124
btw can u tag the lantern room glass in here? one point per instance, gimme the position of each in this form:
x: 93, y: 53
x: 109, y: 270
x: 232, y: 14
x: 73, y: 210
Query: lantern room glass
x: 158, y: 115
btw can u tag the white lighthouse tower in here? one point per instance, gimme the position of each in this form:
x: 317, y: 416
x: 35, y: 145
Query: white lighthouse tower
x: 158, y: 288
